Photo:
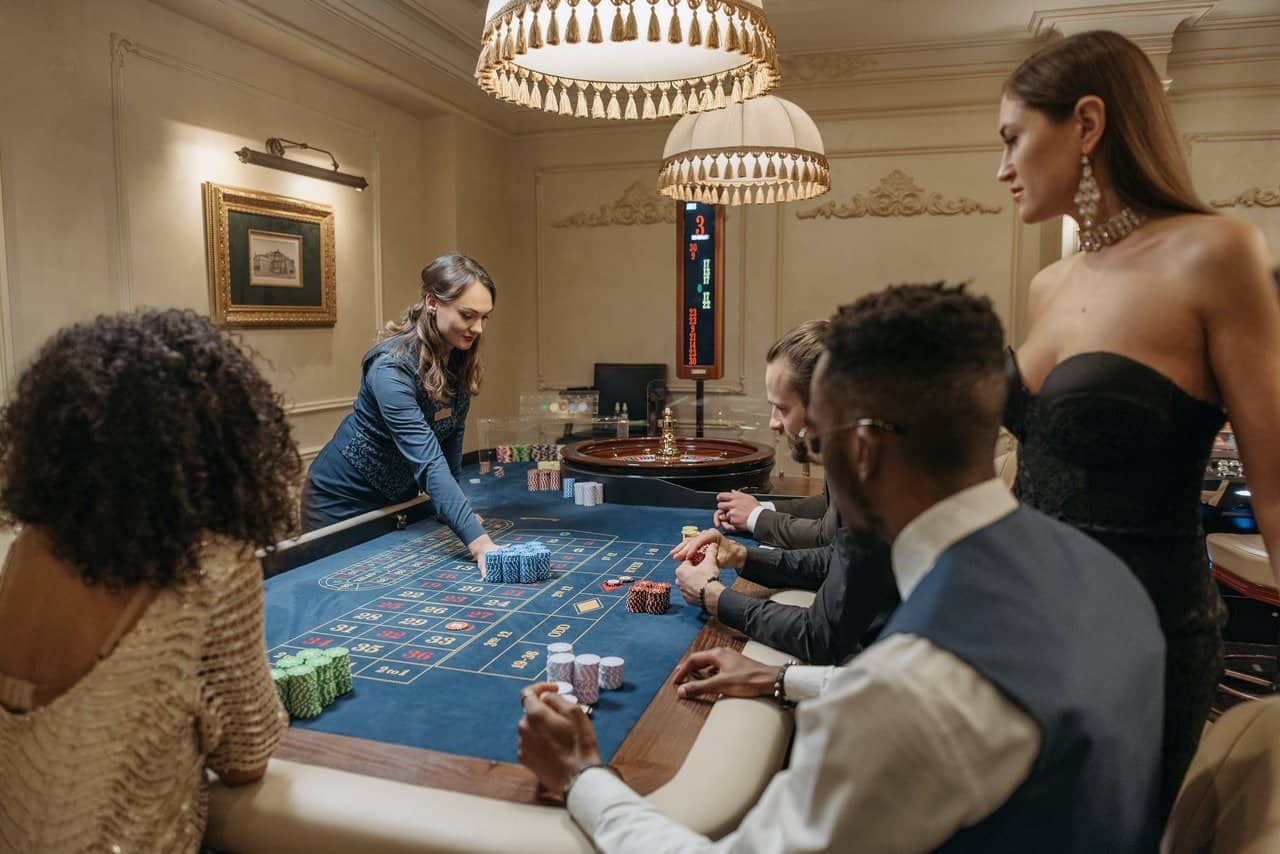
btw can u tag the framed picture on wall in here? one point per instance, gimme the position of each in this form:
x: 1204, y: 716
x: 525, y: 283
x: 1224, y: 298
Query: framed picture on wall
x: 271, y: 259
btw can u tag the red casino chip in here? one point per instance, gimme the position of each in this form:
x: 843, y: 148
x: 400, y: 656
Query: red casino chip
x: 649, y: 597
x: 458, y: 626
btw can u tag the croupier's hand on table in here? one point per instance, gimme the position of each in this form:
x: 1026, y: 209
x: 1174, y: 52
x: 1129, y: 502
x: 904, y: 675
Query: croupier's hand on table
x: 556, y: 740
x: 479, y: 547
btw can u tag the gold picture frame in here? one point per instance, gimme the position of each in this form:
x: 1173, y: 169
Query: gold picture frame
x: 293, y: 282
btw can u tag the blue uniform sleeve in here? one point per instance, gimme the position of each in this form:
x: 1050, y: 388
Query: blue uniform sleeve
x: 452, y: 448
x: 435, y: 473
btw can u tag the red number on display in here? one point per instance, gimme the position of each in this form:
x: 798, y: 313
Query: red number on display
x: 693, y: 252
x: 701, y: 227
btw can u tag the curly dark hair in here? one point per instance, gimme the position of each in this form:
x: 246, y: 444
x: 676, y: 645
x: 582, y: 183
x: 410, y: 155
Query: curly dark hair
x: 930, y: 359
x: 132, y: 437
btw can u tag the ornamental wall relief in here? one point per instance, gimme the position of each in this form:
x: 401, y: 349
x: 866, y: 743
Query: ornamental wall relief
x: 639, y: 204
x: 1253, y: 197
x: 897, y: 195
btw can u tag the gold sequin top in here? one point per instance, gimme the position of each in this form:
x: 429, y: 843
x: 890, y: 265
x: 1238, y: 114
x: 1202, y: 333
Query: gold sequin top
x: 117, y: 762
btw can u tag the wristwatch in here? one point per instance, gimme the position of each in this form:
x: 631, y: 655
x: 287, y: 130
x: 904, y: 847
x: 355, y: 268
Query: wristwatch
x: 780, y: 686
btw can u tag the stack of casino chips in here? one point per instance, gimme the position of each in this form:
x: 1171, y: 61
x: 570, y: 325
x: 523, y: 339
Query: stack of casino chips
x: 649, y: 597
x: 560, y: 666
x: 502, y: 454
x: 567, y: 485
x: 586, y: 678
x: 580, y: 678
x: 309, y: 682
x: 523, y: 563
x: 542, y: 479
x: 611, y: 672
x: 588, y: 493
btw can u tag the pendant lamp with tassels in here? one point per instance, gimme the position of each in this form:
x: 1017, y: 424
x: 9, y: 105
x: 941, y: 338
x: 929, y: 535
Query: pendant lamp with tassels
x: 626, y: 59
x: 763, y: 151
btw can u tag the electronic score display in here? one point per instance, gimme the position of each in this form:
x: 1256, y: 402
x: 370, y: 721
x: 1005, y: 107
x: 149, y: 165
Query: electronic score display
x: 699, y: 291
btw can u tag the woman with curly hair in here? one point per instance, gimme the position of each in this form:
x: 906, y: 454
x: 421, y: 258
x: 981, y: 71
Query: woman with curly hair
x: 1138, y: 347
x: 405, y: 431
x: 145, y: 458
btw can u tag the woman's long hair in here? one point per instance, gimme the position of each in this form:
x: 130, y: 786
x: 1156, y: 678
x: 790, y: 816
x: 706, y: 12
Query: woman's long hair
x: 1139, y: 149
x: 445, y: 278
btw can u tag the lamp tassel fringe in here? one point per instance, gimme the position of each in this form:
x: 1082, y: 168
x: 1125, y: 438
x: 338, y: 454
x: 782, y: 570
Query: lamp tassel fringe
x: 734, y: 26
x: 721, y: 177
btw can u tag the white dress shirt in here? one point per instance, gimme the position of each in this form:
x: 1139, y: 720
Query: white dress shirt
x: 755, y: 514
x: 894, y: 752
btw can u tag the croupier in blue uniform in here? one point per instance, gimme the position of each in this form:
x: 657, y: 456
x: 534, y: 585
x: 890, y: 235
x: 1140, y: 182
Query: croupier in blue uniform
x: 405, y: 431
x: 1014, y: 700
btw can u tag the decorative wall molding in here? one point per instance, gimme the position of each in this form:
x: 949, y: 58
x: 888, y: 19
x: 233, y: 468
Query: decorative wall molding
x: 722, y: 386
x: 311, y: 407
x: 639, y: 204
x: 7, y: 361
x: 813, y: 67
x: 1017, y: 299
x: 122, y: 264
x: 1259, y: 197
x: 897, y: 195
x: 1149, y: 24
x: 1151, y: 16
x: 1191, y: 140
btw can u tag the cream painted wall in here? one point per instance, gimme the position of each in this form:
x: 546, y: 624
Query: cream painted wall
x: 604, y: 293
x: 111, y: 116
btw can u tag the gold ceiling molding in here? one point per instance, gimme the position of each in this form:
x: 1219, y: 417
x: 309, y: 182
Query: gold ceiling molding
x: 824, y: 67
x: 639, y: 204
x: 1254, y: 197
x: 897, y: 195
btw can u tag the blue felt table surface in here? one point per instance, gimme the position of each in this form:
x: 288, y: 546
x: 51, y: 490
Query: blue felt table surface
x: 439, y: 657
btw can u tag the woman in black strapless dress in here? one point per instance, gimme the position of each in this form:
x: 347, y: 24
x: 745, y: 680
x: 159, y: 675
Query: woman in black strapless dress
x: 1136, y: 346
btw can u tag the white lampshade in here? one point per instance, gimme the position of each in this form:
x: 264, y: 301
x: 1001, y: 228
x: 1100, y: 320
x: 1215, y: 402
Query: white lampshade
x: 761, y: 151
x: 626, y: 59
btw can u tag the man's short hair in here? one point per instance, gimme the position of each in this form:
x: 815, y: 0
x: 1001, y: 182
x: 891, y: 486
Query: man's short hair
x: 801, y: 347
x: 928, y: 358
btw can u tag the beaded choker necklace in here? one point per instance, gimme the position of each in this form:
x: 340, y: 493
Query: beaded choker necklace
x: 1116, y: 228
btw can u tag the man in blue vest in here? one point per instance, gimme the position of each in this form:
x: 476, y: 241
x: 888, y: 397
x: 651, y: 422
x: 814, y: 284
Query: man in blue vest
x: 1013, y: 701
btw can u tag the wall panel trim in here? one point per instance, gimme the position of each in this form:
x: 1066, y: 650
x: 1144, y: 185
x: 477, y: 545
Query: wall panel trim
x: 7, y: 360
x: 545, y: 384
x: 1012, y: 323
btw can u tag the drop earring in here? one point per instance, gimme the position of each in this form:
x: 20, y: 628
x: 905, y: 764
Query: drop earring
x: 1087, y: 195
x: 1095, y: 236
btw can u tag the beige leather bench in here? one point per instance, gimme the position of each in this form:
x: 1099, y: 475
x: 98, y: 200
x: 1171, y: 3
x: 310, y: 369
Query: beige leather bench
x: 1230, y: 800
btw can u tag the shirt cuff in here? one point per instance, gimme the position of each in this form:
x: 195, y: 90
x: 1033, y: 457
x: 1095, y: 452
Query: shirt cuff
x: 805, y: 682
x: 755, y: 514
x: 595, y: 791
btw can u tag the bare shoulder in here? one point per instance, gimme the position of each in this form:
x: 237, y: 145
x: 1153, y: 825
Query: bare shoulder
x: 1212, y: 241
x: 1045, y: 284
x: 1220, y: 257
